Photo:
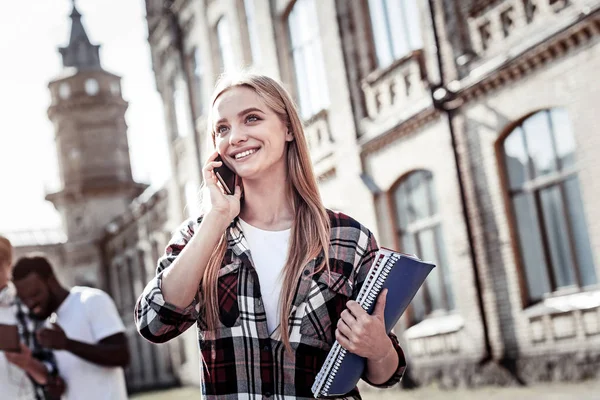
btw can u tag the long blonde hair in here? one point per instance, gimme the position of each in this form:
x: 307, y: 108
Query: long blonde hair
x: 310, y: 232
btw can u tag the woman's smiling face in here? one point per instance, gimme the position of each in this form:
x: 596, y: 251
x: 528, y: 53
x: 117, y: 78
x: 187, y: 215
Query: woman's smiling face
x: 249, y: 136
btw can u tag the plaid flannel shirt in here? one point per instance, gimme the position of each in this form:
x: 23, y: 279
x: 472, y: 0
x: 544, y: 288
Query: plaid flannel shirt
x: 241, y: 360
x: 27, y: 328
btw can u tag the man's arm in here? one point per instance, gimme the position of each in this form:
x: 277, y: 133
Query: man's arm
x: 112, y: 351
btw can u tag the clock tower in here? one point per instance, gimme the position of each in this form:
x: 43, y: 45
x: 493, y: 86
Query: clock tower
x: 88, y: 114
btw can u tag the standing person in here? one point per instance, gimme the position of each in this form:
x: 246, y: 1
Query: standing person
x: 270, y: 277
x: 27, y: 375
x: 85, y: 332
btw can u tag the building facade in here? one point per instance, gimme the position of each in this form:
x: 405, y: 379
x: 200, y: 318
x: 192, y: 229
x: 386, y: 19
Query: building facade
x: 459, y: 131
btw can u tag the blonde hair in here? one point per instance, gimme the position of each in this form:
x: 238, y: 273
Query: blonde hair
x: 310, y: 232
x: 6, y: 252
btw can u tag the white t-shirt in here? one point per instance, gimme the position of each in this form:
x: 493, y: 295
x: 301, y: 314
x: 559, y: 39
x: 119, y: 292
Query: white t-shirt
x: 269, y: 254
x: 14, y: 382
x: 89, y: 315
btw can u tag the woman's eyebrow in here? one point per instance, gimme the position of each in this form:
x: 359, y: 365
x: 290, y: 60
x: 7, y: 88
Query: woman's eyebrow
x: 241, y: 113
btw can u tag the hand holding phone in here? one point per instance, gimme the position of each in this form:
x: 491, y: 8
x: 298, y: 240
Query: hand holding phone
x: 226, y: 176
x: 222, y: 188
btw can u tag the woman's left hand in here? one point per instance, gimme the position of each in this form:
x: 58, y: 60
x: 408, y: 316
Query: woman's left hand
x: 364, y: 334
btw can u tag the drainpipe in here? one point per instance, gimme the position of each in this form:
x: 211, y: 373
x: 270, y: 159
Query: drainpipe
x: 445, y: 100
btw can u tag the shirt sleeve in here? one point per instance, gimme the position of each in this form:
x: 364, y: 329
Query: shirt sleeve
x: 369, y: 251
x: 103, y: 315
x: 156, y: 319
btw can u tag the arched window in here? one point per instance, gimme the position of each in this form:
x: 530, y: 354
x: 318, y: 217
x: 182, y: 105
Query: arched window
x: 545, y: 200
x: 419, y: 231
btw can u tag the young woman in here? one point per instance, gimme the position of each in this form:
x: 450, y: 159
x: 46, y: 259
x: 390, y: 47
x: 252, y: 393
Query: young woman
x: 268, y: 277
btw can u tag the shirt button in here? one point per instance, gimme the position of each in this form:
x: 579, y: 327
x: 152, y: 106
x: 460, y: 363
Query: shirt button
x: 267, y: 394
x: 306, y: 272
x: 266, y: 348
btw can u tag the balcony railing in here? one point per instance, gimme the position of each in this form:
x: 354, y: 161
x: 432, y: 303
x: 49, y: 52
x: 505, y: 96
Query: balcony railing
x: 500, y: 26
x: 320, y: 142
x: 391, y: 94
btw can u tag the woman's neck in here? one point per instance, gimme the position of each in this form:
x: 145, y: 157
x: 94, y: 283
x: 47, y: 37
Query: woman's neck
x: 267, y: 204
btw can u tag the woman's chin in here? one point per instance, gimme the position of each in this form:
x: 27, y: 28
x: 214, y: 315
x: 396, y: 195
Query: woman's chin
x: 246, y: 173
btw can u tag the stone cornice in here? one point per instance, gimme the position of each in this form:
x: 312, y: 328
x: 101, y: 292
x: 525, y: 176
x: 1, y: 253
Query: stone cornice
x: 403, y: 128
x: 534, y: 58
x: 85, y: 102
x: 479, y: 6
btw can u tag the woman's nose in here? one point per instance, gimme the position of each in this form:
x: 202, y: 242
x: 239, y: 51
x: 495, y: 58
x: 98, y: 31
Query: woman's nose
x: 237, y: 135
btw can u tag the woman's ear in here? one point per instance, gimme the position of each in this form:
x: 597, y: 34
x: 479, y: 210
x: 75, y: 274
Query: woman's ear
x: 289, y: 136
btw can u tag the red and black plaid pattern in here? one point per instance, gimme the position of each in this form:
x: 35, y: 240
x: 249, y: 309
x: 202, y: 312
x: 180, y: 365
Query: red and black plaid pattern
x: 241, y: 360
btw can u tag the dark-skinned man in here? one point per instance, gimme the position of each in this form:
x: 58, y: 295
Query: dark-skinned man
x: 84, y: 330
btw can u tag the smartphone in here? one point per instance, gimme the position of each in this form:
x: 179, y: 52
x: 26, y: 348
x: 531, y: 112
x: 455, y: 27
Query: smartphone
x: 226, y: 176
x: 9, y: 338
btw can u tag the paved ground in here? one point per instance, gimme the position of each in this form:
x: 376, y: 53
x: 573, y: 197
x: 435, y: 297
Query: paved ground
x: 580, y: 391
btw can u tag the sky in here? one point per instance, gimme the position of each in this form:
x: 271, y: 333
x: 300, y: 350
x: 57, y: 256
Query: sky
x: 31, y: 32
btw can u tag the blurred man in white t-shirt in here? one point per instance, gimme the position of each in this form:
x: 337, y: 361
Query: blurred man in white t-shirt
x: 86, y: 332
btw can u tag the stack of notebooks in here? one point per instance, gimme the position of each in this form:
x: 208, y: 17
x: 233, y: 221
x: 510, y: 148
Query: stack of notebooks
x: 402, y: 275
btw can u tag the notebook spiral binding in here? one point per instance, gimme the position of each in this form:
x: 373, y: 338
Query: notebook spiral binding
x: 366, y: 297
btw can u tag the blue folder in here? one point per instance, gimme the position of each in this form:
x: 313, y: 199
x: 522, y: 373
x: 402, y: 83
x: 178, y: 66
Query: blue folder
x: 403, y: 276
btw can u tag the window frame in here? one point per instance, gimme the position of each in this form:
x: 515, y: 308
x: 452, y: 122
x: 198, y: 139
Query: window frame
x: 182, y: 109
x: 250, y: 32
x: 197, y: 79
x: 390, y: 44
x: 222, y: 67
x: 533, y: 187
x: 291, y: 65
x: 427, y: 223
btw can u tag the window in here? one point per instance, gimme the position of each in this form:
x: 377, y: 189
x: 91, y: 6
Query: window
x: 183, y: 118
x: 396, y: 30
x: 198, y: 76
x: 64, y: 90
x: 420, y: 233
x: 308, y: 58
x: 115, y: 88
x: 545, y: 198
x: 91, y: 87
x: 252, y: 31
x: 225, y: 45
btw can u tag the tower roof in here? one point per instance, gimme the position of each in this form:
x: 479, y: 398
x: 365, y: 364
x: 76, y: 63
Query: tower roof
x: 80, y: 52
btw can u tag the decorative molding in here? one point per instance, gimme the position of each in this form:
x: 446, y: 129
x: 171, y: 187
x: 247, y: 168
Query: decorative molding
x: 478, y: 7
x: 401, y: 129
x: 573, y: 37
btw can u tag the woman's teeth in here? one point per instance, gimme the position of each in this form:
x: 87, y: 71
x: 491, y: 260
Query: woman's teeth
x: 245, y: 154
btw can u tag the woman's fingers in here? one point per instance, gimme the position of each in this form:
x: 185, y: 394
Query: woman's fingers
x: 344, y: 329
x: 238, y: 192
x: 213, y: 156
x: 348, y: 318
x: 208, y: 171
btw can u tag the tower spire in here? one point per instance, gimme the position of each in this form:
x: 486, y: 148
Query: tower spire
x: 80, y: 52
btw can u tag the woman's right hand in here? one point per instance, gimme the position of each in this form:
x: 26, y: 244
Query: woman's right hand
x: 227, y: 206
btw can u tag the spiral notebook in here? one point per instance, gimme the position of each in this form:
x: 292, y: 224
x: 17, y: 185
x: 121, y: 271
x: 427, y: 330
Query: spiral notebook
x: 402, y: 275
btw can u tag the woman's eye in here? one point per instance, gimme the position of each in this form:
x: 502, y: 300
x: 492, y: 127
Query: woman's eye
x: 252, y: 118
x: 221, y: 130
